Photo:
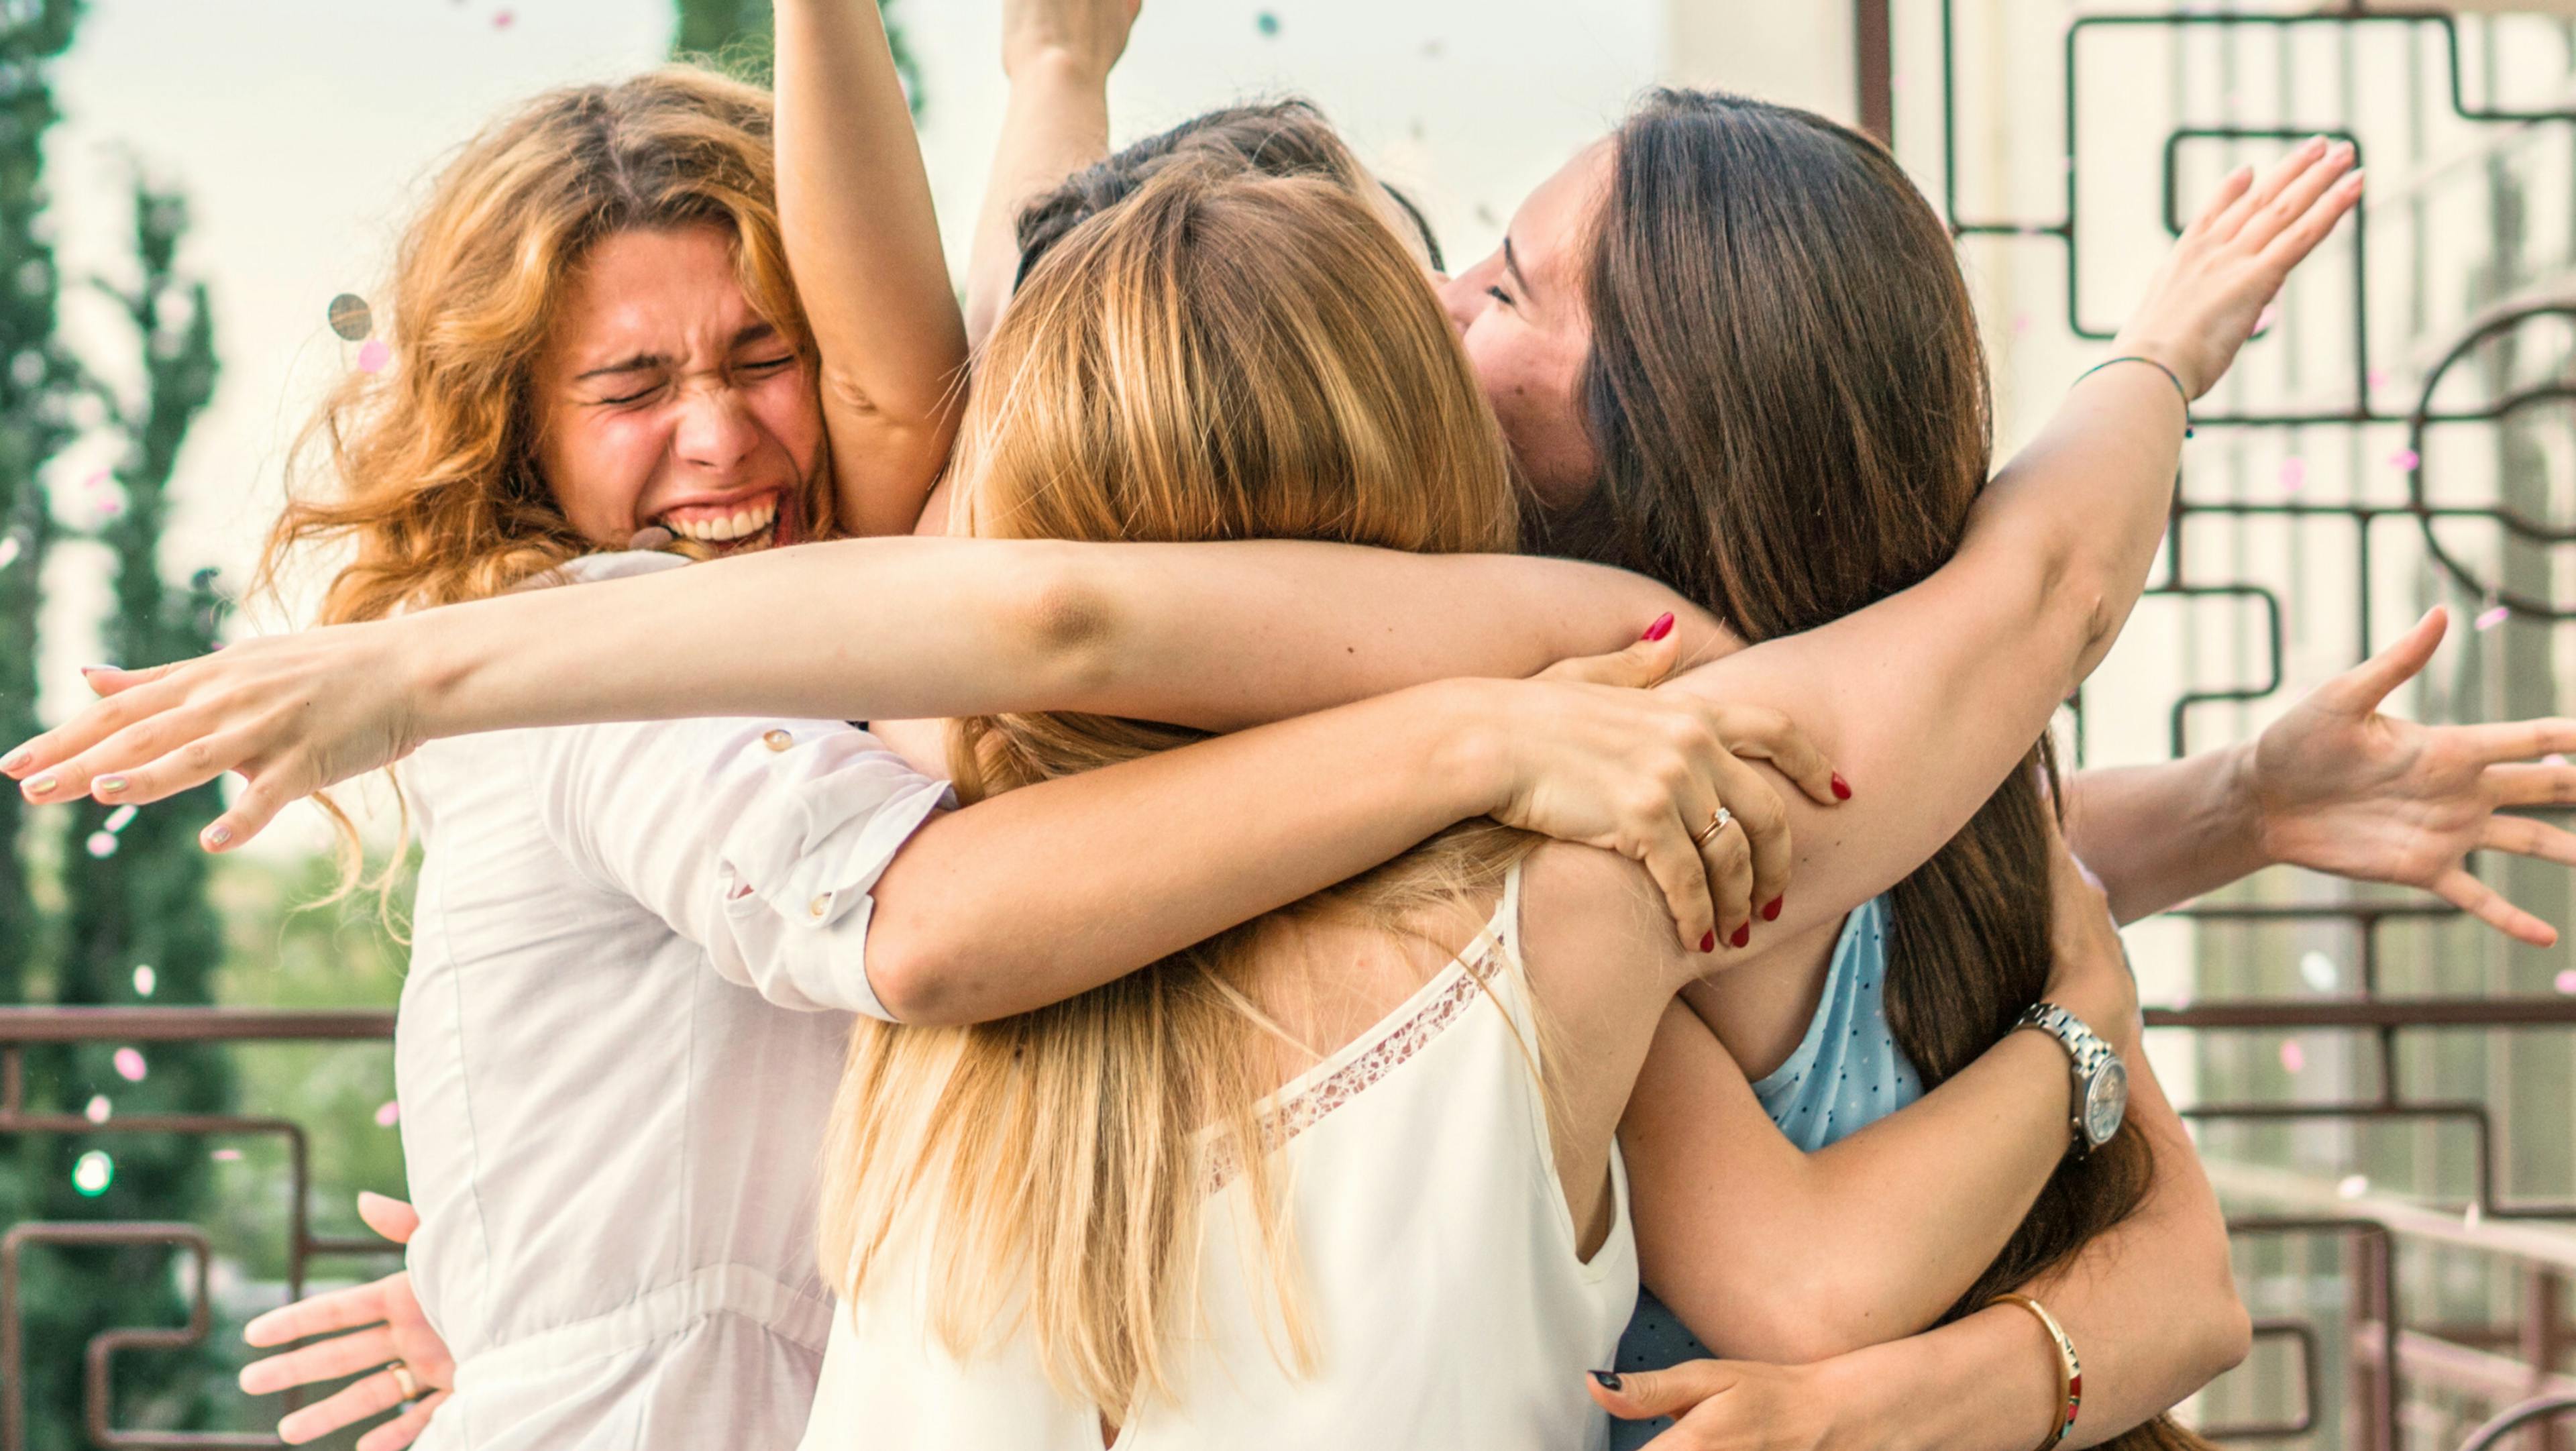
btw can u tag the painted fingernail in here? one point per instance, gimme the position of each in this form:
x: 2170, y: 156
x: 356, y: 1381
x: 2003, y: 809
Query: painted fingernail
x: 100, y: 669
x: 218, y: 834
x: 1662, y: 626
x: 17, y: 761
x: 1842, y: 788
x: 1708, y: 941
x: 41, y: 786
x: 109, y: 785
x: 1743, y: 935
x: 1771, y: 909
x: 1608, y: 1380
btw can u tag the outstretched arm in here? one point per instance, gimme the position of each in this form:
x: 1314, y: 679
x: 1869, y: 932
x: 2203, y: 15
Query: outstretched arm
x: 2335, y: 786
x: 863, y: 241
x: 1058, y: 55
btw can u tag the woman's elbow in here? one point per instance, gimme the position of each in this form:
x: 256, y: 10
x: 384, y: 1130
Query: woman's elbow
x: 1064, y: 620
x: 916, y: 981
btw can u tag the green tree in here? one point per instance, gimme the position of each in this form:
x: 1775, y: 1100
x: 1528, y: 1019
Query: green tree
x: 734, y: 36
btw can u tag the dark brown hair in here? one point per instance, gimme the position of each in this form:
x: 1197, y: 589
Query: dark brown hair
x: 1271, y: 138
x: 1789, y: 401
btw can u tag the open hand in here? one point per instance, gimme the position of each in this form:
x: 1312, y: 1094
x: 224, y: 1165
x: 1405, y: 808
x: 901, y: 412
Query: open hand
x: 379, y: 1324
x: 292, y: 713
x: 2203, y: 302
x: 2088, y: 971
x: 2341, y: 788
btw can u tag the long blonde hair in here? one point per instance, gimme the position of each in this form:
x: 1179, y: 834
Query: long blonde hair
x: 1221, y: 356
x: 429, y: 465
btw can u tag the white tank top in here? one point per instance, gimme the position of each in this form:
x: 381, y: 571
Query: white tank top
x: 1438, y: 1272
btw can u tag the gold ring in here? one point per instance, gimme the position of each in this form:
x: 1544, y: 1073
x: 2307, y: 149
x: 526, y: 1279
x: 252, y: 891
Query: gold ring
x: 1716, y: 824
x: 404, y: 1380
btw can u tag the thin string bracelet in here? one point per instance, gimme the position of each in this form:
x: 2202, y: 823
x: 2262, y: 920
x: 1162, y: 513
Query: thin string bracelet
x: 2170, y: 376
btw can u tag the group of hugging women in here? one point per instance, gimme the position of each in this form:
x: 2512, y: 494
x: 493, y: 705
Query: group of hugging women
x: 1246, y: 841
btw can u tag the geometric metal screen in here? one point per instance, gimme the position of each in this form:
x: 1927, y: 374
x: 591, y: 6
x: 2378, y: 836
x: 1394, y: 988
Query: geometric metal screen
x: 2384, y: 1089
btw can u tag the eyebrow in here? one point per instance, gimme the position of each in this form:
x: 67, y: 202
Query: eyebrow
x: 1512, y: 265
x: 648, y: 362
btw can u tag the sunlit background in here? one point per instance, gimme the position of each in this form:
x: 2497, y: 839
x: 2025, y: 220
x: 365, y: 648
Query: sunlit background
x: 2386, y: 1095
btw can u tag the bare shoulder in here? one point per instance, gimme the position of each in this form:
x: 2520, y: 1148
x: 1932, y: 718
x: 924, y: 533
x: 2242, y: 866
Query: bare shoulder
x: 1594, y: 929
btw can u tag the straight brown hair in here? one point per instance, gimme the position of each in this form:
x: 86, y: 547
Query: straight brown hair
x: 1789, y: 400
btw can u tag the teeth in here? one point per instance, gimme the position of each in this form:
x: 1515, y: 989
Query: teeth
x: 741, y: 524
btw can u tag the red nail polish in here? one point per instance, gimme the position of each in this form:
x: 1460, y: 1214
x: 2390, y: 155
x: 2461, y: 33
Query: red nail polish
x: 1842, y: 788
x: 1771, y: 909
x: 1662, y: 626
x: 1743, y: 935
x: 1708, y: 942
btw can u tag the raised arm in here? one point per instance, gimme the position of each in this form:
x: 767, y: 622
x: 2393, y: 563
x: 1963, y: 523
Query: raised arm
x: 854, y: 204
x: 1058, y: 55
x: 1965, y: 668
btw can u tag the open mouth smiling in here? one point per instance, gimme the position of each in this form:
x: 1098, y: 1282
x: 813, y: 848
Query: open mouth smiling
x: 745, y: 524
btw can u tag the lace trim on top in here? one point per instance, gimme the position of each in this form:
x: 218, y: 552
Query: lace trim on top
x: 1302, y: 1107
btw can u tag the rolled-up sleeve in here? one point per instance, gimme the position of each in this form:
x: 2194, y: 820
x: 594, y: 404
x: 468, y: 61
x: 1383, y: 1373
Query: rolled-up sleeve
x: 760, y: 840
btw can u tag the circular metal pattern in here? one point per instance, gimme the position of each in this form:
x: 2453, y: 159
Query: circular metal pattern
x: 2418, y: 418
x: 351, y: 318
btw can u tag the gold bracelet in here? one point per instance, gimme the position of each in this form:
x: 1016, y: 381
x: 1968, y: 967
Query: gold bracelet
x: 2070, y: 1371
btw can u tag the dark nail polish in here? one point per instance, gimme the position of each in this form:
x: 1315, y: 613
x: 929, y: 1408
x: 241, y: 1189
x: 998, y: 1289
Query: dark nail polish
x: 1842, y: 788
x: 1708, y: 942
x: 1662, y: 626
x: 1771, y: 909
x: 1743, y: 935
x: 1608, y: 1380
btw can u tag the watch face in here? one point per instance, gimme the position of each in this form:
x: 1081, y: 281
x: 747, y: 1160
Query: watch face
x: 2106, y: 1099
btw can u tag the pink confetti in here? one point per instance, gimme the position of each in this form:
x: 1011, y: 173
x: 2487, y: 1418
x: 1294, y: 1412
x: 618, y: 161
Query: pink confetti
x: 226, y: 1156
x: 2294, y: 473
x: 130, y: 1065
x: 2378, y: 378
x: 2553, y: 759
x: 2293, y: 1057
x: 2565, y: 982
x: 388, y: 1114
x: 97, y: 480
x: 2489, y: 619
x: 2021, y: 323
x: 2263, y: 320
x: 2405, y: 460
x: 373, y: 355
x: 502, y: 20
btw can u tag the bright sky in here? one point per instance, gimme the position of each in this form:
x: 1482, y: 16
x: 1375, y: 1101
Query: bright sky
x: 303, y: 130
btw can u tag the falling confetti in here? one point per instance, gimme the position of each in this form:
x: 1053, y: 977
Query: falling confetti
x: 130, y: 1065
x: 1267, y: 23
x: 501, y: 20
x: 2318, y: 971
x: 2489, y: 619
x: 2377, y: 378
x: 2565, y: 982
x: 9, y: 548
x: 2021, y: 323
x: 98, y: 479
x: 2405, y: 460
x: 2553, y: 759
x: 92, y: 1173
x: 2263, y: 320
x: 102, y: 844
x: 119, y: 819
x: 351, y: 318
x: 2293, y: 1057
x: 373, y: 355
x: 2294, y: 473
x: 226, y: 1156
x: 2353, y: 1186
x: 145, y: 980
x: 388, y: 1114
x: 98, y: 1109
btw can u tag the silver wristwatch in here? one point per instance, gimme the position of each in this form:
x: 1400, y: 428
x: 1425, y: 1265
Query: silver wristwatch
x: 2101, y: 1079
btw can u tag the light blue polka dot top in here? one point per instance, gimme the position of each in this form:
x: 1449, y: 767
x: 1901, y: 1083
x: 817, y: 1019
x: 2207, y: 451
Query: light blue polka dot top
x: 1845, y: 1074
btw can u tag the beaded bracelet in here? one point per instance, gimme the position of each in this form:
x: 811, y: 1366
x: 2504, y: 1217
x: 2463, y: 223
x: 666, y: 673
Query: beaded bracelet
x: 2170, y: 376
x: 2070, y: 1372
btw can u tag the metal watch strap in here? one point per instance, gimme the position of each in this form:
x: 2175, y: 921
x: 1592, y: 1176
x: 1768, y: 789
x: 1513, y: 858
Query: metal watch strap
x: 2085, y: 1051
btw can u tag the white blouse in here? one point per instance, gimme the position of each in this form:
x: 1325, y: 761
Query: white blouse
x: 635, y: 951
x: 1439, y: 1269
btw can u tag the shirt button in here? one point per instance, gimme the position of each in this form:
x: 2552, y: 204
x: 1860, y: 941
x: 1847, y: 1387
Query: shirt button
x: 778, y: 740
x: 820, y: 905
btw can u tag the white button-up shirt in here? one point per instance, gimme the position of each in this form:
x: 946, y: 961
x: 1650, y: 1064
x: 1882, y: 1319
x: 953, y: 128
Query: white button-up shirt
x: 636, y: 949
